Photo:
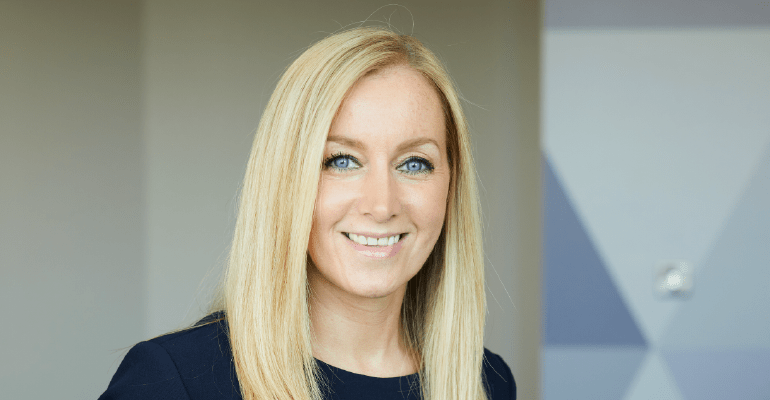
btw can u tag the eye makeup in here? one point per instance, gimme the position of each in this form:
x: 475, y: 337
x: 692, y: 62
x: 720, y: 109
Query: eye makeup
x: 424, y: 166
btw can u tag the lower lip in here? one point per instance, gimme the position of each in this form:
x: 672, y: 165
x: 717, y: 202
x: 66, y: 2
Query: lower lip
x: 379, y: 251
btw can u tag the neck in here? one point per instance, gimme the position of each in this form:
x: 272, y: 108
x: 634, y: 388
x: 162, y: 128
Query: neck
x: 358, y: 334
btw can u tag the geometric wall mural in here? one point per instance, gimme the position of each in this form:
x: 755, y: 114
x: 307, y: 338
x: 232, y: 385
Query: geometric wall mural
x: 656, y: 147
x: 581, y: 304
x: 572, y: 372
x: 716, y: 346
x: 592, y: 346
x: 732, y: 306
x: 713, y: 373
x: 653, y: 380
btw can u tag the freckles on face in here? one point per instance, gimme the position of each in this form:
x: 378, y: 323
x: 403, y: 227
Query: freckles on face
x: 385, y: 177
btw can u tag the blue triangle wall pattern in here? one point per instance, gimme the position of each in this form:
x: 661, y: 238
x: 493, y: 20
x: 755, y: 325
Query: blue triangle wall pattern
x: 581, y: 304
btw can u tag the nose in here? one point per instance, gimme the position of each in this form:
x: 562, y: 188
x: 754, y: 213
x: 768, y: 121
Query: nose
x: 379, y: 198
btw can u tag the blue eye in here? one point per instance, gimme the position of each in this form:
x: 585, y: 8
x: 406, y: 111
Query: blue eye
x: 346, y: 162
x: 417, y: 165
x: 341, y: 162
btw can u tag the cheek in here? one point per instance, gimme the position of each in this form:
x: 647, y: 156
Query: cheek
x: 428, y: 206
x: 331, y: 206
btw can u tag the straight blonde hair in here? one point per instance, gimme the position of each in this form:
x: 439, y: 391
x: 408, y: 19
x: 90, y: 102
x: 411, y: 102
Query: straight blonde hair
x: 265, y: 289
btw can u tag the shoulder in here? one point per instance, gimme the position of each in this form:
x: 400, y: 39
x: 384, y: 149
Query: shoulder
x: 498, y: 378
x: 189, y: 364
x: 200, y: 344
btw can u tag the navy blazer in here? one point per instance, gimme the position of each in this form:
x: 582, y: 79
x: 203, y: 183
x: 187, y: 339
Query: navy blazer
x: 197, y: 364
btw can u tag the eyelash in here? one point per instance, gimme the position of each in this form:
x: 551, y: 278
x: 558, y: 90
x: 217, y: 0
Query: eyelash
x: 328, y: 163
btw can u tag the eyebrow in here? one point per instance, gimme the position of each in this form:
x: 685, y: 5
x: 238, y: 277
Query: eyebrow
x: 349, y: 142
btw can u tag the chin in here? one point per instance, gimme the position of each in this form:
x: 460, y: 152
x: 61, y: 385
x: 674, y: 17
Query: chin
x: 375, y: 293
x: 372, y: 291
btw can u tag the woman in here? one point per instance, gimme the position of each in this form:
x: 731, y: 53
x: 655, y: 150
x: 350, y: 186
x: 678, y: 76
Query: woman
x: 356, y: 267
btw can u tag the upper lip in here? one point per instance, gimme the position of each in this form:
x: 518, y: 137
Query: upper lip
x: 377, y: 235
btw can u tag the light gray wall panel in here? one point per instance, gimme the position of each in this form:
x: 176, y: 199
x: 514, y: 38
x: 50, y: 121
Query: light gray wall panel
x: 601, y: 14
x: 660, y: 139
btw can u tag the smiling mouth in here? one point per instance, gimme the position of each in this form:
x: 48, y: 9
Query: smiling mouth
x: 375, y: 242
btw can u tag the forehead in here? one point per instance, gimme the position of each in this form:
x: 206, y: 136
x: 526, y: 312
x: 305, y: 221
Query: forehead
x: 396, y: 100
x: 399, y: 81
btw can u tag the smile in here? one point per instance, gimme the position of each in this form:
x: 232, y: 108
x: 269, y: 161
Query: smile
x: 380, y: 248
x: 374, y: 242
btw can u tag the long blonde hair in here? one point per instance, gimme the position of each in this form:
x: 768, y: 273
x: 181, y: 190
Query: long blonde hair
x: 265, y: 289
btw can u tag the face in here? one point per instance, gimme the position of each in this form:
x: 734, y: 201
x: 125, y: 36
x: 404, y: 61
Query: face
x: 385, y: 177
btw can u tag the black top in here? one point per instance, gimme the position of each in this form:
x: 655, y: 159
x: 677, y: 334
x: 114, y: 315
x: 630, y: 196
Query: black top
x: 197, y: 364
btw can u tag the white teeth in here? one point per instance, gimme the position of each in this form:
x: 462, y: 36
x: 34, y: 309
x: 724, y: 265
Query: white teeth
x: 386, y: 241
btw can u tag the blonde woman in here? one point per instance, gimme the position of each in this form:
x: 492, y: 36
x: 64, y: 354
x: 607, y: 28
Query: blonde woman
x: 356, y: 268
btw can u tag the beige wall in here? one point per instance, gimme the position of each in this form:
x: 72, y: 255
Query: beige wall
x: 72, y: 287
x: 188, y: 88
